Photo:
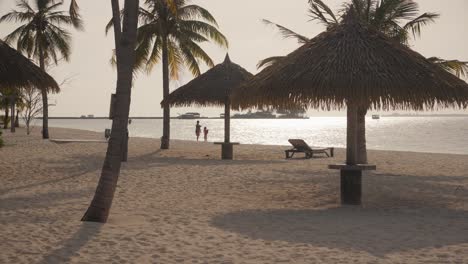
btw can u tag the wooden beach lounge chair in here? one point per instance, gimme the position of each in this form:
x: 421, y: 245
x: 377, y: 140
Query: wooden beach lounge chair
x: 300, y: 145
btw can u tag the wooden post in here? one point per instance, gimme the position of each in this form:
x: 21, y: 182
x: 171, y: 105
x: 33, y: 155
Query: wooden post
x: 227, y: 121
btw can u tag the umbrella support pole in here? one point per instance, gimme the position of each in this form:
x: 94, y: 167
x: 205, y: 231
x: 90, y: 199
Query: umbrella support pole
x: 351, y: 181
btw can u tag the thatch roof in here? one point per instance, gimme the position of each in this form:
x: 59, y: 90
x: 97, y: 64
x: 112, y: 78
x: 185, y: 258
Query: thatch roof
x: 17, y: 71
x: 212, y: 87
x: 351, y: 61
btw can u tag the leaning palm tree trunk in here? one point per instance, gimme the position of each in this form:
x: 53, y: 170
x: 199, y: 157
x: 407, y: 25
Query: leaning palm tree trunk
x: 125, y: 39
x: 166, y: 108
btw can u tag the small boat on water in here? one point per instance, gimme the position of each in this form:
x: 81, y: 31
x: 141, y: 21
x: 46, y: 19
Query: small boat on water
x: 256, y: 115
x: 375, y: 116
x: 190, y: 115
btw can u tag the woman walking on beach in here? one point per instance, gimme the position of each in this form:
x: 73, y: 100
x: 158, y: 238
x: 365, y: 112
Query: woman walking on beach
x: 205, y: 134
x: 198, y: 129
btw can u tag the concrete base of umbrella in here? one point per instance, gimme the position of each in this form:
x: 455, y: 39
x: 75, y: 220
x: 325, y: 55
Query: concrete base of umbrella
x: 227, y: 149
x: 351, y: 181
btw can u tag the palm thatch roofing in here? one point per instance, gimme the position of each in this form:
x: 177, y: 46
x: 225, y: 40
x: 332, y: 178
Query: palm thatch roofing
x: 17, y: 71
x: 353, y: 62
x: 211, y: 88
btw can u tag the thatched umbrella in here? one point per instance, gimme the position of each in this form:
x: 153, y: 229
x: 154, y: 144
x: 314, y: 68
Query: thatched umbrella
x: 213, y: 88
x: 356, y: 67
x: 17, y: 71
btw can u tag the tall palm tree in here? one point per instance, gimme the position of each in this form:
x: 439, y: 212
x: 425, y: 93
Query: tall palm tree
x: 171, y: 31
x: 42, y: 37
x: 125, y: 42
x: 398, y: 19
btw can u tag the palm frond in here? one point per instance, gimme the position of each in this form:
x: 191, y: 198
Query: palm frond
x: 269, y: 61
x: 287, y: 33
x: 75, y: 16
x: 422, y: 20
x: 197, y: 12
x: 175, y: 59
x: 205, y: 29
x: 459, y: 68
x: 15, y: 16
x: 320, y: 11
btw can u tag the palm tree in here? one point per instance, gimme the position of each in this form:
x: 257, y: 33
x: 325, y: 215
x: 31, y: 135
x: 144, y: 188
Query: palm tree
x: 171, y: 31
x: 398, y: 19
x: 42, y: 37
x: 125, y: 42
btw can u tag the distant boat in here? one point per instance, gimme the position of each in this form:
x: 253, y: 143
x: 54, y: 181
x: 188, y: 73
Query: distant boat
x: 293, y: 116
x: 375, y: 116
x: 257, y: 115
x: 189, y: 115
x: 221, y: 115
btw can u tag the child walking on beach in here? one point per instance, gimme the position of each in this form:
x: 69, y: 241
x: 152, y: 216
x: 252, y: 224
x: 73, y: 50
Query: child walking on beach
x: 205, y: 133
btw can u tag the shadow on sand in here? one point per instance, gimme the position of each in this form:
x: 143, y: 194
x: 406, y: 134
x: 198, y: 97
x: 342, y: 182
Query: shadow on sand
x: 71, y: 246
x: 376, y: 231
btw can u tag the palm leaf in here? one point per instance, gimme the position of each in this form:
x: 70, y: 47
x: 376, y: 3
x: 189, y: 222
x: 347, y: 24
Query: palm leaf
x: 287, y: 33
x: 269, y: 61
x: 459, y: 68
x: 319, y: 11
x: 422, y: 20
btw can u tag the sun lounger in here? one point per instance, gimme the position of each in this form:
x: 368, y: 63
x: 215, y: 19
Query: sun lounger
x: 301, y: 146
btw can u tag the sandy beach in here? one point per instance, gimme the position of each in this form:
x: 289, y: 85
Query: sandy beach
x: 185, y: 205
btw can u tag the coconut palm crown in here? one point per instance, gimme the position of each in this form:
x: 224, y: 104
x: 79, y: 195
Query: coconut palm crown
x: 41, y: 34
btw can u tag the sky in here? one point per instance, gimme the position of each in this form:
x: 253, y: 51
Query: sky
x: 91, y: 79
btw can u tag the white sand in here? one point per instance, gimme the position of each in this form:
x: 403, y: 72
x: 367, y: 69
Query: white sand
x: 185, y: 205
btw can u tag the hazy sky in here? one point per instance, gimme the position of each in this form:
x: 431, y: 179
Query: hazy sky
x: 93, y: 79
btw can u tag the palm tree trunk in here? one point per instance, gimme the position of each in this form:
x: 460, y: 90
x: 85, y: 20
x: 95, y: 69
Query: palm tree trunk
x: 45, y: 102
x: 17, y: 118
x: 12, y: 119
x: 99, y: 209
x: 7, y: 114
x: 166, y: 108
x: 352, y: 134
x: 361, y: 138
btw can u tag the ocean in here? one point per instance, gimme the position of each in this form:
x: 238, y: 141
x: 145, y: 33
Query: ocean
x: 443, y: 134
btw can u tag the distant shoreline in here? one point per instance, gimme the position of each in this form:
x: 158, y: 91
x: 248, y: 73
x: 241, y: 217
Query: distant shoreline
x: 158, y: 117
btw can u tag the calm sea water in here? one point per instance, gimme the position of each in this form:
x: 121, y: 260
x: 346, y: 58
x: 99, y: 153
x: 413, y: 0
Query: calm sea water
x: 420, y: 134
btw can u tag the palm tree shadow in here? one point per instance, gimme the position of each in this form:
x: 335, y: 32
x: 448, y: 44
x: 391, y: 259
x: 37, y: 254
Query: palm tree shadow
x: 71, y: 246
x: 378, y: 232
x: 4, y: 191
